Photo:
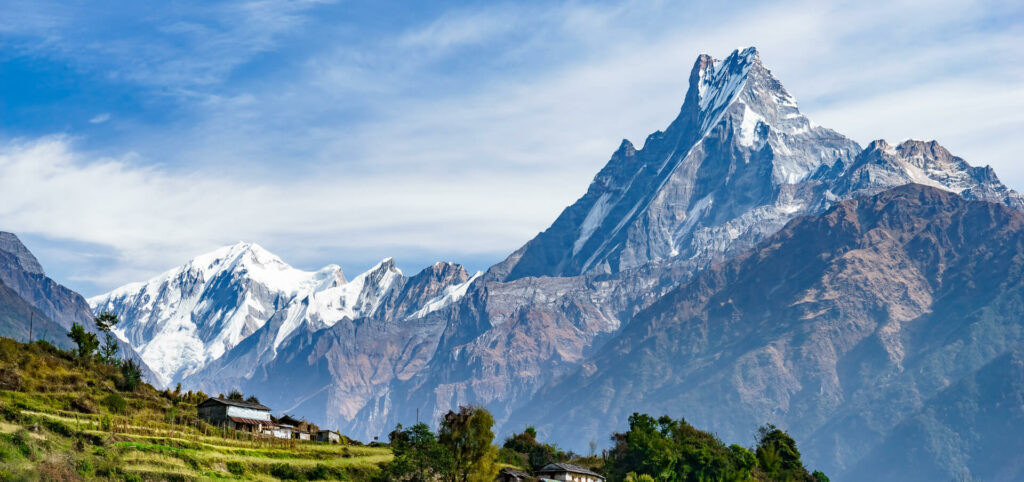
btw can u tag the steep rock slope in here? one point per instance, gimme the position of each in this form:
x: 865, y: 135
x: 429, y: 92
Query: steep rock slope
x: 731, y: 166
x: 838, y: 328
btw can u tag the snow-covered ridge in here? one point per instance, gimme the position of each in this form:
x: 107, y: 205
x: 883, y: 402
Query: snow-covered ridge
x: 186, y: 317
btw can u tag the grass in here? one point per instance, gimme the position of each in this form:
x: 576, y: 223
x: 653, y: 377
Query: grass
x: 65, y: 420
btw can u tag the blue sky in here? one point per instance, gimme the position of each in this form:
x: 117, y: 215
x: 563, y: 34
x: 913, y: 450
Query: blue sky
x: 133, y: 136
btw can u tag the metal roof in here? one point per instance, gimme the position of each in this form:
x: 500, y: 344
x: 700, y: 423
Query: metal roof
x: 235, y: 403
x: 559, y: 467
x: 250, y: 421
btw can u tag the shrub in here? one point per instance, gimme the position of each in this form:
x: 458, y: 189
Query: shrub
x: 115, y: 403
x: 84, y: 467
x: 236, y: 468
x: 58, y: 427
x: 131, y: 375
x: 285, y: 472
x: 20, y: 439
x: 323, y: 472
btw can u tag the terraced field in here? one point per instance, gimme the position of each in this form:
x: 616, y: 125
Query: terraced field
x: 66, y: 419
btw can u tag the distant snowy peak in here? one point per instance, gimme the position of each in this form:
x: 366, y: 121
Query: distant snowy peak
x: 187, y: 316
x: 325, y: 307
x: 927, y: 163
x: 190, y: 316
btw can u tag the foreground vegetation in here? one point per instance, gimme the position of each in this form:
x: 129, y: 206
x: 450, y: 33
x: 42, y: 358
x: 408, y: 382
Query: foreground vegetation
x: 74, y: 416
x: 651, y: 450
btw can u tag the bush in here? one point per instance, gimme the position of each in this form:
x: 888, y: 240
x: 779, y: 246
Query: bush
x: 115, y: 403
x: 131, y: 375
x: 84, y: 467
x: 286, y: 472
x: 236, y: 468
x: 20, y: 439
x: 323, y: 472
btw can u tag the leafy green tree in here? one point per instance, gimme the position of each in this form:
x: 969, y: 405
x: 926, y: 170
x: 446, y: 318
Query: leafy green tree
x: 418, y: 456
x: 537, y: 455
x: 778, y: 456
x: 469, y: 437
x: 87, y: 342
x: 236, y: 396
x: 672, y: 450
x: 106, y: 322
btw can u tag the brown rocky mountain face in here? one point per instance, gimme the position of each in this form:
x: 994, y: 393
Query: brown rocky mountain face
x: 839, y: 328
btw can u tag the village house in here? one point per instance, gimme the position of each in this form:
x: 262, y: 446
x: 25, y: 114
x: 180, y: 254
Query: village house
x: 235, y: 414
x: 278, y: 431
x: 568, y: 473
x: 300, y: 428
x: 328, y: 436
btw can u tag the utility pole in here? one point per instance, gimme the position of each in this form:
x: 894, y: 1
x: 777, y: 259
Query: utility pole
x: 31, y: 321
x: 417, y: 415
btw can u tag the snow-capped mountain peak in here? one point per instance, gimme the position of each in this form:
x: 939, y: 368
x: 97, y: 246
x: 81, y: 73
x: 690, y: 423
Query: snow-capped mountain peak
x: 187, y: 316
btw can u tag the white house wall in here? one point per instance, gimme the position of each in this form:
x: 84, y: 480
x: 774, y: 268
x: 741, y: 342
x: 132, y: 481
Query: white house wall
x: 248, y: 413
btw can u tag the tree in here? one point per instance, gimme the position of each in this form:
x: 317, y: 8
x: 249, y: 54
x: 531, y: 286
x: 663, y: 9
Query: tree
x: 536, y: 454
x: 673, y: 450
x: 87, y: 342
x: 131, y: 375
x: 252, y: 399
x: 468, y: 436
x: 778, y: 456
x: 418, y: 456
x: 105, y: 322
x: 236, y: 396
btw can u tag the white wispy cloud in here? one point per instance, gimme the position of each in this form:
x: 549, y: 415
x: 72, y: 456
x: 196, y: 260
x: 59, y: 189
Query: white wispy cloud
x: 468, y: 132
x: 100, y: 118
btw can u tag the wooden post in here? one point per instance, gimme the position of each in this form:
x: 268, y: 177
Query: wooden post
x: 31, y: 321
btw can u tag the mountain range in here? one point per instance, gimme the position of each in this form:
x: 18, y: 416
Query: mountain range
x: 743, y: 266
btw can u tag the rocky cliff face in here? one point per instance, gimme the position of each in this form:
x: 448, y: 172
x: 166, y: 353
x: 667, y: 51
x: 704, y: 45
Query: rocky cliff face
x: 839, y: 328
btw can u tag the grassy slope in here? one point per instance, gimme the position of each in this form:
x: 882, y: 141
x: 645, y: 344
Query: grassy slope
x: 55, y: 425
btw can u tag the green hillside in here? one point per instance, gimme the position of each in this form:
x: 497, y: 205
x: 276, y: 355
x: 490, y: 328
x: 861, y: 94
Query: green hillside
x: 62, y: 418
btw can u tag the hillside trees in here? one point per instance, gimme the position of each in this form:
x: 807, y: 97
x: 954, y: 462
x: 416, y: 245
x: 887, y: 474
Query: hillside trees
x: 536, y: 454
x: 462, y: 451
x: 672, y: 450
x: 469, y: 437
x: 86, y: 342
x: 105, y: 322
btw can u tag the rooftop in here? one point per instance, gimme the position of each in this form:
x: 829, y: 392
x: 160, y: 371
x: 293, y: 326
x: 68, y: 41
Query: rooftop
x: 559, y: 467
x: 235, y: 403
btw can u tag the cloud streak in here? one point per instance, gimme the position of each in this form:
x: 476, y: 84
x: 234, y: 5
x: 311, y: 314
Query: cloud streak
x: 327, y: 136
